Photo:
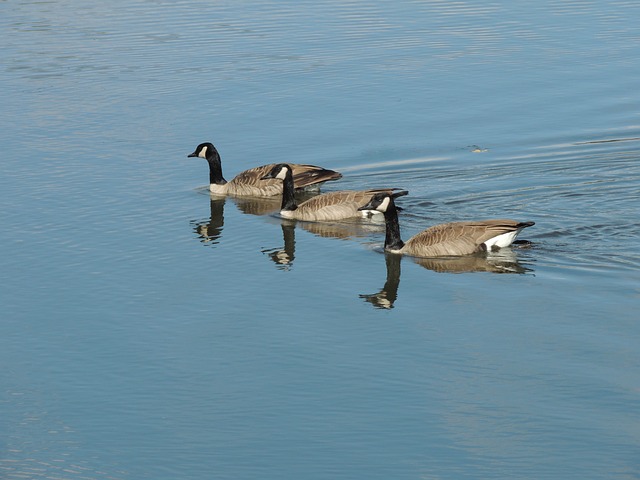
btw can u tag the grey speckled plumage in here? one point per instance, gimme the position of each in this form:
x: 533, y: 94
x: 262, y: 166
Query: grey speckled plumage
x: 326, y: 207
x: 447, y: 239
x: 251, y: 182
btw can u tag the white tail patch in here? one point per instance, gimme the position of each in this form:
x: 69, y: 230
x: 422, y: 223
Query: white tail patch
x: 501, y: 241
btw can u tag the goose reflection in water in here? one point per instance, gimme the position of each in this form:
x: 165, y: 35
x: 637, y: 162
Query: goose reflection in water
x: 386, y: 297
x: 353, y: 228
x: 283, y: 257
x: 209, y: 231
x: 503, y: 261
x: 256, y: 205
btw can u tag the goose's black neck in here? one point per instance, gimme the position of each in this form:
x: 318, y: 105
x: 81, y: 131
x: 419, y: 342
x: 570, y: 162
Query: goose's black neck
x: 215, y: 167
x: 392, y: 240
x: 288, y: 192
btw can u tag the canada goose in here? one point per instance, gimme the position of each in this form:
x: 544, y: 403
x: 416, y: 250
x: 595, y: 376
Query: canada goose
x: 447, y: 239
x: 251, y: 182
x: 325, y: 207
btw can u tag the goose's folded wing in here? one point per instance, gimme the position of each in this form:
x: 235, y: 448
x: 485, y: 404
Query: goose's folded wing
x: 305, y: 175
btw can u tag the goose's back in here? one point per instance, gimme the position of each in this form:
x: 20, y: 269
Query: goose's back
x: 250, y: 183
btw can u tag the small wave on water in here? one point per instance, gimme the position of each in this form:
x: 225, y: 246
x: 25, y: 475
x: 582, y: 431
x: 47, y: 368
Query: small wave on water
x: 583, y: 196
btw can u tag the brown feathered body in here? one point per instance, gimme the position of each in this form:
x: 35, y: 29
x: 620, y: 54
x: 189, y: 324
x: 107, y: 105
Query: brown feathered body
x: 462, y: 238
x: 333, y: 206
x: 447, y: 239
x: 250, y: 184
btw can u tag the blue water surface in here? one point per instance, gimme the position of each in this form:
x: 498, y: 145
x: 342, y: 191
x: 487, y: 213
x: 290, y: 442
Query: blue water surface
x: 149, y: 330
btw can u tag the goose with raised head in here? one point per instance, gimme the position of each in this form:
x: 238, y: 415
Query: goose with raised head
x: 251, y: 182
x: 326, y: 207
x: 447, y: 239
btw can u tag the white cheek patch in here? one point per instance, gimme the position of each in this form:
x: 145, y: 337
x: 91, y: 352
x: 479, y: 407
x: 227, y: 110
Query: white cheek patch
x: 384, y: 205
x: 203, y: 152
x: 282, y: 173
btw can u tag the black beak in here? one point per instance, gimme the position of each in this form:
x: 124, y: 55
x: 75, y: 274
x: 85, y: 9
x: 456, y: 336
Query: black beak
x: 194, y: 154
x: 401, y: 193
x: 267, y: 176
x: 368, y: 206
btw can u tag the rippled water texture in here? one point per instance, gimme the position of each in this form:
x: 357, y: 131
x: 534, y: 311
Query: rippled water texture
x: 149, y: 330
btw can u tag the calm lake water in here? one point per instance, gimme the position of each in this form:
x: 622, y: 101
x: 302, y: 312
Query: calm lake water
x: 149, y: 331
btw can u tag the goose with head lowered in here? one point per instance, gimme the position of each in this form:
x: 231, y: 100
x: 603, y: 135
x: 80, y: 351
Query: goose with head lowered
x: 328, y: 206
x: 447, y: 239
x: 251, y: 182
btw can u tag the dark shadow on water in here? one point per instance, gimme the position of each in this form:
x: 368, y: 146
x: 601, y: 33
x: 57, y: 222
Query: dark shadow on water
x: 503, y: 261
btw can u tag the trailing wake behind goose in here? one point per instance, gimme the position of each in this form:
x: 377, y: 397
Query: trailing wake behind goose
x: 251, y: 182
x: 447, y: 239
x: 328, y: 206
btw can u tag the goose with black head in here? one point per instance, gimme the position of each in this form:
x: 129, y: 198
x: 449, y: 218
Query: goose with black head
x: 447, y: 239
x: 252, y: 182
